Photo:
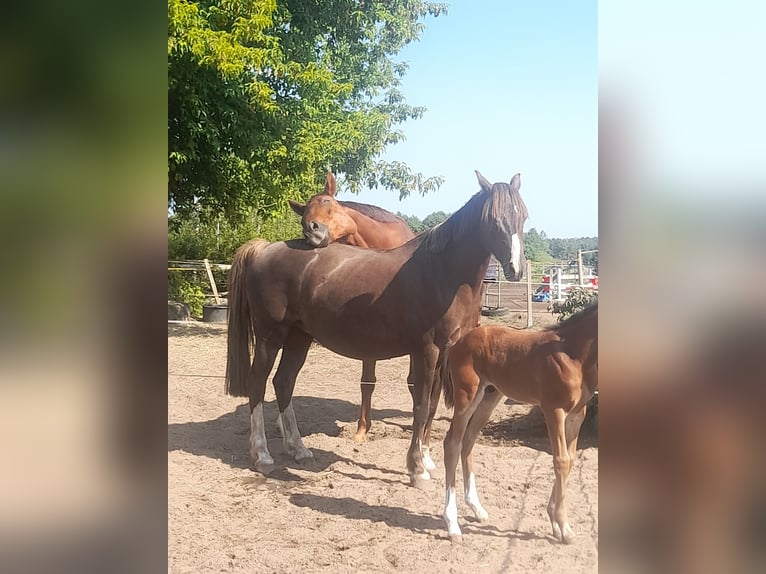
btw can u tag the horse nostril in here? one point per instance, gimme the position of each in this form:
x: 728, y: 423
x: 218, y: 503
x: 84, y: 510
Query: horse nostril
x: 314, y: 225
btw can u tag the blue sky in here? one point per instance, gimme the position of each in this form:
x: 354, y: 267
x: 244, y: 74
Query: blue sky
x: 694, y: 95
x: 510, y: 86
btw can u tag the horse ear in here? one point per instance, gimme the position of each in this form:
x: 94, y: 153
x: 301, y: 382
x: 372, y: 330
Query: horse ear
x: 329, y: 186
x: 516, y: 182
x: 485, y: 185
x: 297, y: 207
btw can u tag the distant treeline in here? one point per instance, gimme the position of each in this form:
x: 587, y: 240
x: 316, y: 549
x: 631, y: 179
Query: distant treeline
x: 196, y: 237
x: 537, y: 245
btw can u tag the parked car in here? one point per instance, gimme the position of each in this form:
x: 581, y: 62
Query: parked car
x: 542, y: 295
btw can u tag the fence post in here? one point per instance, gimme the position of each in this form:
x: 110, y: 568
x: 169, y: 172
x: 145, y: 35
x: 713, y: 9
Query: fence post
x: 212, y: 282
x: 529, y: 293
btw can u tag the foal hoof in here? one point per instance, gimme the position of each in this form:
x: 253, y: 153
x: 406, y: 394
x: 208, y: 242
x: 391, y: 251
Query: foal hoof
x: 359, y: 437
x: 568, y: 535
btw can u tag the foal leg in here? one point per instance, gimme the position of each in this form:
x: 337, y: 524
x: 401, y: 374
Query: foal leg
x: 455, y: 437
x: 294, y: 353
x: 572, y: 427
x: 451, y: 454
x: 367, y: 387
x: 483, y: 411
x: 555, y: 420
x: 265, y: 353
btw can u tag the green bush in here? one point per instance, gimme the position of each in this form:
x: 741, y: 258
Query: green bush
x: 577, y: 299
x: 203, y: 236
x: 187, y: 287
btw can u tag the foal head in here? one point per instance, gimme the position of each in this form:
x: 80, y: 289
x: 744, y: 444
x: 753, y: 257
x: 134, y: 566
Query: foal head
x: 323, y: 219
x: 503, y: 219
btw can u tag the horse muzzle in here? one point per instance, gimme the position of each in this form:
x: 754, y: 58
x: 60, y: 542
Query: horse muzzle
x: 511, y: 273
x: 315, y: 241
x: 317, y: 234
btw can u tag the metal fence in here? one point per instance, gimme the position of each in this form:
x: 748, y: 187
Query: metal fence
x: 543, y: 283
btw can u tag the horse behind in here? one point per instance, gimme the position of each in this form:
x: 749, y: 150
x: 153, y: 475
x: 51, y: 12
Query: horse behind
x: 326, y: 220
x: 555, y: 368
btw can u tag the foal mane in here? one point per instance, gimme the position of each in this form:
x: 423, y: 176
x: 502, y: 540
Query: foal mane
x: 373, y: 212
x: 482, y: 208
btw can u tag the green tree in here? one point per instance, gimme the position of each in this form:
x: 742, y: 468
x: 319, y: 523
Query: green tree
x: 536, y: 245
x: 559, y: 249
x: 565, y: 249
x: 434, y: 219
x: 413, y: 221
x: 265, y: 95
x: 204, y: 236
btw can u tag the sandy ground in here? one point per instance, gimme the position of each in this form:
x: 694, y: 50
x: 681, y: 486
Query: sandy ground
x: 351, y: 510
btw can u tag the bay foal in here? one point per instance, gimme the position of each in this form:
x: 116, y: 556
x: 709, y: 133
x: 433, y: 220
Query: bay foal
x: 555, y: 368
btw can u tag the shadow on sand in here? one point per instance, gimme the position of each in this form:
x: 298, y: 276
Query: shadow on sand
x: 397, y: 517
x: 196, y: 329
x: 530, y: 430
x: 226, y: 438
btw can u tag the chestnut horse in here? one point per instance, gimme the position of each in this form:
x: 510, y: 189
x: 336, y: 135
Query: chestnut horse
x: 416, y: 300
x: 556, y: 368
x: 326, y: 220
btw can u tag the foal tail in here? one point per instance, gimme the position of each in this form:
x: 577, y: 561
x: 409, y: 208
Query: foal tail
x: 240, y: 335
x: 447, y: 387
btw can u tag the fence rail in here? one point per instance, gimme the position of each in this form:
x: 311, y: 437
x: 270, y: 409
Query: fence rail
x: 518, y: 297
x: 498, y: 292
x: 199, y: 266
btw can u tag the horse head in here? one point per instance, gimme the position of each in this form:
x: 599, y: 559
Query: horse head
x: 504, y: 233
x: 323, y: 219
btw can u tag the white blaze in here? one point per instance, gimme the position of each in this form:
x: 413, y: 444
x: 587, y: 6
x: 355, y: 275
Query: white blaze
x: 516, y: 251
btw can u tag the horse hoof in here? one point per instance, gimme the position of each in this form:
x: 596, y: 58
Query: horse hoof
x: 456, y: 538
x: 421, y: 481
x: 304, y: 454
x: 428, y: 462
x: 265, y: 466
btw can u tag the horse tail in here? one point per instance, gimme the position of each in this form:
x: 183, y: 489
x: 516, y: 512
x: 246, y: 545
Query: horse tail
x: 240, y: 332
